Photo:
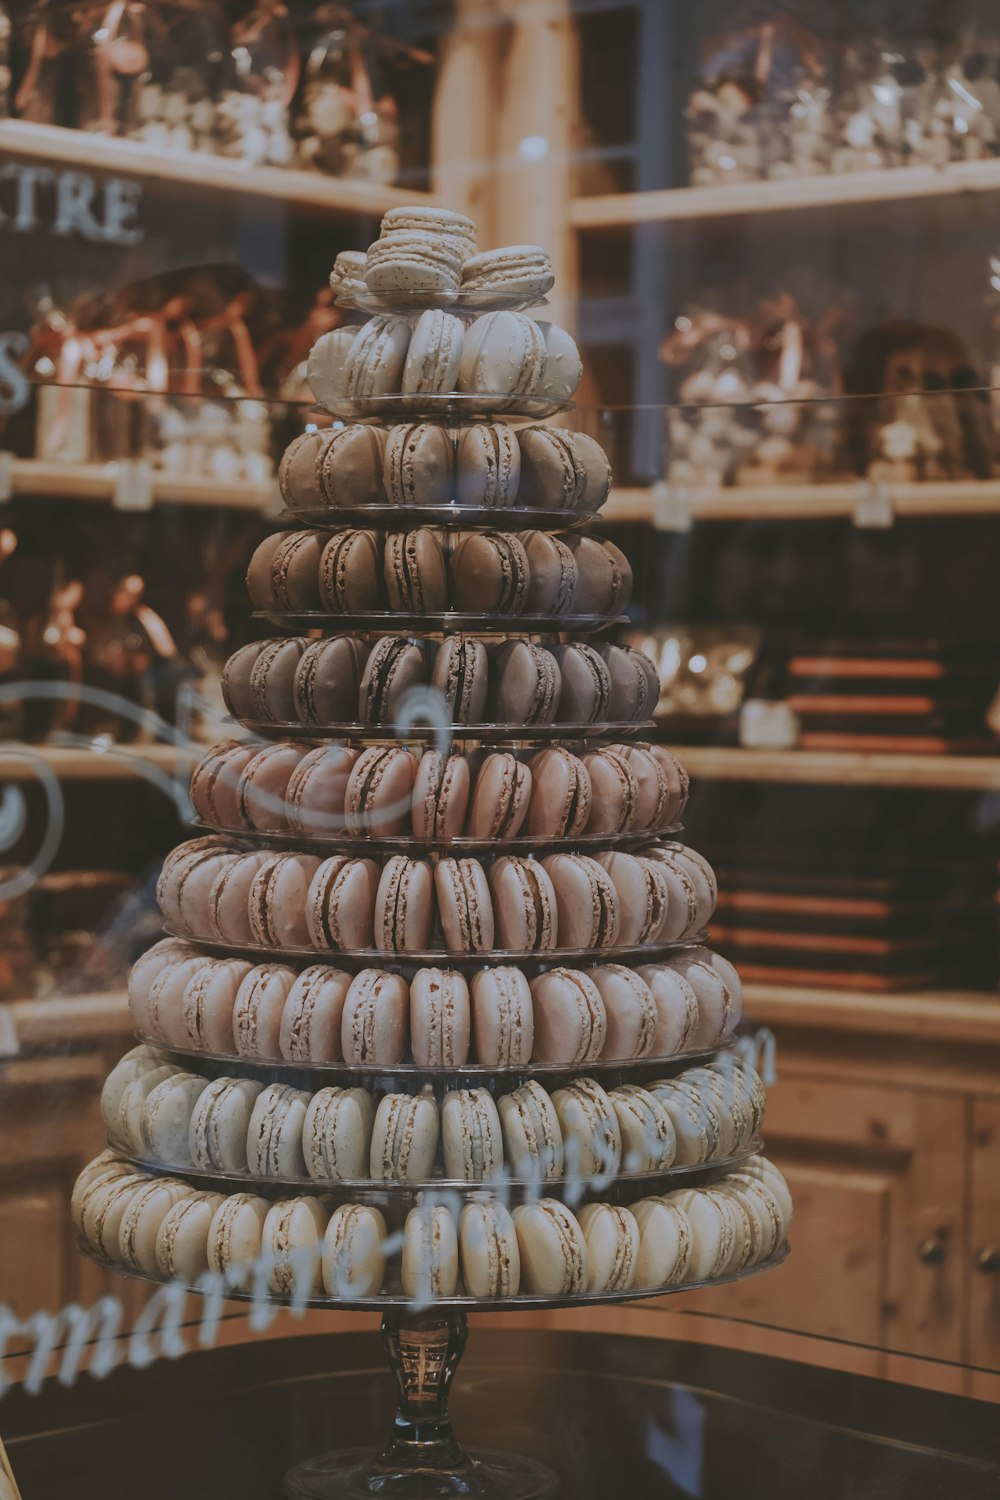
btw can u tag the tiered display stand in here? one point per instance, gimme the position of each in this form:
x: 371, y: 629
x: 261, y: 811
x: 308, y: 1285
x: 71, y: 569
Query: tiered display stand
x: 424, y: 1345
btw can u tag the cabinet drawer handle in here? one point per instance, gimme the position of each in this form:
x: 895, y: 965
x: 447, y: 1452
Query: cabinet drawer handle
x: 933, y: 1249
x: 988, y: 1260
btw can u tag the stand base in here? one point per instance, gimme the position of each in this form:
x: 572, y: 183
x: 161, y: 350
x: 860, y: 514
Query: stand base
x: 363, y: 1473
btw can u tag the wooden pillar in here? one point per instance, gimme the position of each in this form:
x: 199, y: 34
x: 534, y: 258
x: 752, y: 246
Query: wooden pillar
x: 537, y: 140
x: 464, y: 126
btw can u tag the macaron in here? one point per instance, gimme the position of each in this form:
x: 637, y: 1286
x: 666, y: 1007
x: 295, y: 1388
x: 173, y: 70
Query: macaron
x: 764, y: 1169
x: 295, y: 572
x: 404, y: 906
x: 146, y: 1210
x: 435, y: 354
x: 634, y: 684
x: 376, y: 358
x: 713, y: 1232
x: 464, y: 904
x: 416, y: 575
x: 677, y: 1011
x: 375, y: 1023
x: 135, y: 1064
x: 504, y: 355
x: 521, y: 273
x: 592, y: 1142
x: 430, y: 1253
x: 532, y: 1136
x: 570, y: 1022
x: 258, y: 1009
x: 404, y: 1138
x: 439, y: 223
x: 234, y: 1237
x: 552, y: 574
x: 298, y: 471
x: 215, y: 784
x: 353, y: 1261
x: 125, y: 1130
x: 631, y: 1012
x: 524, y: 903
x: 500, y: 797
x: 665, y: 1242
x: 326, y: 367
x: 643, y: 896
x: 348, y: 274
x: 393, y: 668
x: 352, y: 467
x: 554, y: 1257
x: 181, y: 1246
x: 586, y: 685
x: 187, y: 878
x: 612, y: 1237
x: 166, y: 1119
x: 337, y: 1134
x: 264, y: 784
x: 561, y: 794
x: 604, y: 578
x: 150, y: 965
x: 563, y: 470
x: 649, y: 1143
x: 419, y: 464
x: 317, y: 788
x: 440, y: 797
x: 349, y: 574
x: 586, y: 901
x: 719, y: 998
x: 412, y: 260
x: 461, y: 675
x: 272, y: 681
x: 488, y: 571
x: 229, y: 899
x: 274, y: 1135
x: 291, y: 1241
x: 491, y: 1261
x: 614, y: 805
x: 278, y: 900
x: 380, y: 790
x: 679, y: 782
x: 102, y: 1207
x: 693, y: 1141
x: 339, y: 905
x: 217, y: 1134
x: 487, y: 465
x: 502, y: 1017
x: 471, y: 1138
x: 563, y: 365
x: 328, y: 680
x: 526, y: 684
x: 440, y: 1018
x: 655, y: 802
x: 162, y: 1014
x: 312, y: 1016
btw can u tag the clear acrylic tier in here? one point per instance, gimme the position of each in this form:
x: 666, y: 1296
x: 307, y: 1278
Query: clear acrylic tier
x: 467, y: 406
x: 450, y: 517
x: 409, y: 303
x: 372, y: 622
x: 373, y: 843
x: 486, y: 734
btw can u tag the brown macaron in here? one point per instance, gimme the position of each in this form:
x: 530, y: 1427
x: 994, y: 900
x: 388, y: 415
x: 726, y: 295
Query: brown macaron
x: 264, y: 784
x: 404, y: 906
x: 440, y: 796
x: 500, y: 798
x: 552, y: 574
x: 317, y: 790
x: 300, y: 468
x: 586, y: 684
x: 655, y: 800
x: 393, y: 668
x: 570, y: 1019
x: 465, y: 908
x: 339, y: 905
x: 526, y: 684
x: 419, y: 464
x: 379, y: 791
x: 489, y: 574
x: 416, y: 576
x: 350, y: 573
x: 615, y: 804
x: 634, y: 684
x: 524, y: 905
x: 352, y: 466
x: 271, y: 682
x: 560, y: 794
x: 488, y: 465
x: 215, y: 784
x: 461, y: 675
x: 328, y: 681
x: 295, y: 571
x: 259, y: 584
x: 586, y: 901
x: 602, y: 587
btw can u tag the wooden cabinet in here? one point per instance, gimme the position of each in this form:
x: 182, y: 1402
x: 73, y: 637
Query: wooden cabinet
x: 984, y: 1235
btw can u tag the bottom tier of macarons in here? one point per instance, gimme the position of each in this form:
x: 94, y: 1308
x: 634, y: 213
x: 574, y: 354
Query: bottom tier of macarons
x: 305, y: 1250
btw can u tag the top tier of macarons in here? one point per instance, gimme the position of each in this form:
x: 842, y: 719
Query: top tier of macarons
x: 449, y: 335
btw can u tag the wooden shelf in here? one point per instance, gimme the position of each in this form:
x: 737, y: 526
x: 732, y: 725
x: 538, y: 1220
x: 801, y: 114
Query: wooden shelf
x: 117, y: 763
x: 787, y: 196
x: 63, y: 1021
x: 811, y: 502
x: 340, y: 196
x: 920, y: 1015
x: 99, y: 482
x: 955, y: 773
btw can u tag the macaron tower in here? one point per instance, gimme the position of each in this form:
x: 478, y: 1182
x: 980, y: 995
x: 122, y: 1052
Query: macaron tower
x: 433, y: 1027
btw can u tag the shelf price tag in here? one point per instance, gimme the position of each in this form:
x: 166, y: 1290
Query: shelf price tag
x: 873, y: 509
x: 6, y: 475
x: 671, y: 507
x: 133, y: 487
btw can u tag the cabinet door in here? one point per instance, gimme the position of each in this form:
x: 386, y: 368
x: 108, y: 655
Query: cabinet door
x: 877, y: 1179
x: 984, y: 1236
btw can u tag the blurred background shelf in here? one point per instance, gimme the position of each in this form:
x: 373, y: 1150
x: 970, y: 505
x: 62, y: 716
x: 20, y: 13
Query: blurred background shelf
x: 72, y: 763
x: 100, y: 482
x: 957, y: 773
x: 946, y: 1015
x: 782, y: 196
x: 818, y: 502
x: 340, y: 196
